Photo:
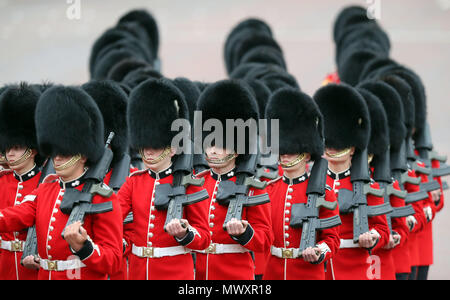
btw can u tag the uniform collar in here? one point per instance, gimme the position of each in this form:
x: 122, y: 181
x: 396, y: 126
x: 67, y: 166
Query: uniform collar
x: 73, y: 183
x: 337, y: 176
x: 225, y: 176
x: 161, y: 174
x: 292, y: 181
x: 28, y: 175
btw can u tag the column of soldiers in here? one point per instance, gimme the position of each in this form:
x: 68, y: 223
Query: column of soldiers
x: 93, y: 186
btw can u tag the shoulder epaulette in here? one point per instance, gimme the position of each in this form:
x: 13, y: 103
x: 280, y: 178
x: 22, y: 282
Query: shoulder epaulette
x: 138, y: 172
x: 50, y: 178
x: 5, y: 172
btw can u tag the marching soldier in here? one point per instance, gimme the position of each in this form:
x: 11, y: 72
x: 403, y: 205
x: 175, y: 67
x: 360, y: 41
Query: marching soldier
x: 232, y: 239
x: 346, y: 133
x: 19, y: 144
x: 301, y: 140
x: 159, y: 250
x: 69, y: 130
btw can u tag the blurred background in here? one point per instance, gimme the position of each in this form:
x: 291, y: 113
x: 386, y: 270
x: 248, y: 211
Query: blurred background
x: 51, y: 40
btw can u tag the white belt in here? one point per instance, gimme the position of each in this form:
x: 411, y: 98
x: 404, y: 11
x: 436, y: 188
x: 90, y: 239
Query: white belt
x: 13, y: 246
x: 223, y: 248
x: 61, y: 265
x: 152, y: 252
x: 285, y: 252
x: 348, y: 244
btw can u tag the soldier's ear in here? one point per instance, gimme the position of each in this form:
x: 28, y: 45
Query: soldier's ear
x: 83, y: 159
x: 173, y: 151
x: 352, y: 151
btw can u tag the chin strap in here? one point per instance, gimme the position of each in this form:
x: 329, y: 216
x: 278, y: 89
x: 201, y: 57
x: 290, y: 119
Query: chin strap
x: 162, y: 156
x: 25, y: 156
x: 293, y: 162
x: 226, y: 159
x: 339, y: 154
x: 69, y: 163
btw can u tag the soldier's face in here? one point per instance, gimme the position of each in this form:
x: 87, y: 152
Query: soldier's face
x: 218, y: 157
x: 287, y: 158
x: 71, y: 171
x: 339, y: 155
x: 15, y: 153
x: 154, y: 154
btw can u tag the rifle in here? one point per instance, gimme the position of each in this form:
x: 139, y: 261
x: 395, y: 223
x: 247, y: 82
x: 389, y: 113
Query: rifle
x: 235, y: 194
x: 355, y: 201
x: 173, y: 197
x: 307, y: 215
x: 30, y: 247
x: 79, y: 203
x: 382, y: 175
x: 261, y: 169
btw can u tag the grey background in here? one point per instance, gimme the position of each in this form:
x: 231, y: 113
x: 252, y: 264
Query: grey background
x: 39, y: 42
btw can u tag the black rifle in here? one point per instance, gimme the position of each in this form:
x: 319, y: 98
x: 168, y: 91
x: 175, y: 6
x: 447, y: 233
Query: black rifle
x: 79, y: 203
x: 235, y: 194
x: 173, y: 197
x: 200, y: 163
x: 399, y: 170
x: 355, y: 201
x: 307, y: 215
x: 382, y: 175
x: 268, y: 171
x: 30, y: 247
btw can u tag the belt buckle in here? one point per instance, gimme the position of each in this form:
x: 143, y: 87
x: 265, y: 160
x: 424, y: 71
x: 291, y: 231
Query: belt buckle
x: 16, y: 246
x: 211, y: 249
x: 147, y: 252
x: 287, y: 253
x: 52, y: 265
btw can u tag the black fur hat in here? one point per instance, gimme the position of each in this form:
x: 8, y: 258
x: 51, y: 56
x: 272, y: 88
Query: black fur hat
x: 300, y: 121
x: 352, y: 63
x: 346, y: 116
x: 112, y: 102
x: 119, y: 70
x: 229, y: 99
x: 405, y: 92
x: 191, y: 94
x: 17, y: 108
x: 379, y: 127
x: 69, y: 122
x: 153, y: 106
x: 393, y: 106
x: 349, y: 16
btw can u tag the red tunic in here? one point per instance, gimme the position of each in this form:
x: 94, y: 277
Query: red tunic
x: 233, y: 266
x: 355, y: 263
x: 388, y: 263
x: 137, y: 195
x: 13, y: 189
x: 283, y: 194
x: 435, y: 164
x: 41, y: 207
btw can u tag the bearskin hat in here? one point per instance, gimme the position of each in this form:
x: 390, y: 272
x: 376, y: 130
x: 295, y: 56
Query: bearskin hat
x: 346, y: 116
x: 229, y: 99
x: 300, y: 122
x: 69, y: 122
x: 153, y: 106
x: 393, y: 106
x: 379, y: 127
x: 112, y: 102
x: 17, y: 108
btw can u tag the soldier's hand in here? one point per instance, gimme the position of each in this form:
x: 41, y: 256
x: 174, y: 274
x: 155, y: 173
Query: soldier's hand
x: 311, y: 255
x: 394, y: 240
x: 235, y: 227
x: 436, y: 195
x: 367, y: 240
x: 177, y: 228
x: 31, y: 262
x: 75, y: 235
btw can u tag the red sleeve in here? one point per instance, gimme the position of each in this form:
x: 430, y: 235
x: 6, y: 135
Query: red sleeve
x: 435, y: 164
x: 260, y: 221
x: 197, y: 215
x: 428, y: 203
x: 19, y: 217
x: 378, y: 223
x: 418, y: 206
x: 399, y: 224
x: 329, y: 236
x: 124, y: 197
x: 106, y: 239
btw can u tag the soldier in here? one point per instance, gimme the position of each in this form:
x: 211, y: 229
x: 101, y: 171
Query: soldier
x: 160, y: 250
x: 301, y: 140
x: 18, y: 142
x: 228, y: 256
x: 69, y: 129
x: 112, y: 102
x: 347, y: 127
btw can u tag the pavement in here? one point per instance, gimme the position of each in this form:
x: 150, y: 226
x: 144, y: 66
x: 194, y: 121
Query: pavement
x: 51, y: 40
